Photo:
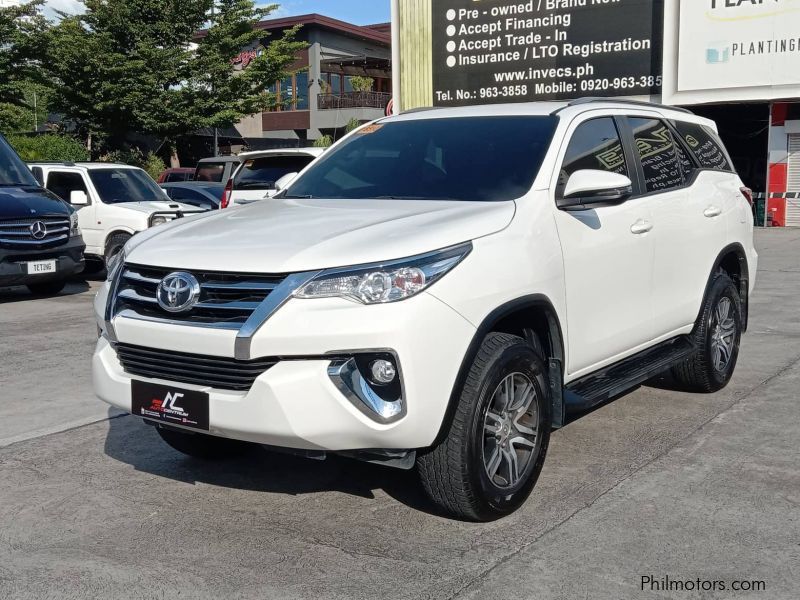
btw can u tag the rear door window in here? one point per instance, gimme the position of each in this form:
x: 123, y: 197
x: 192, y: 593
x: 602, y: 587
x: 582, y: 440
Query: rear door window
x: 704, y: 145
x: 656, y: 150
x: 63, y: 183
x: 595, y: 145
x: 264, y: 172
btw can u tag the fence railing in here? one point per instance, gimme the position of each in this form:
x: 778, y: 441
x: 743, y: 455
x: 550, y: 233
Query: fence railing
x: 353, y: 100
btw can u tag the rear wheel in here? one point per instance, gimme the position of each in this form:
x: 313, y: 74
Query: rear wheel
x: 47, y: 288
x: 494, y: 447
x: 717, y: 337
x: 200, y: 445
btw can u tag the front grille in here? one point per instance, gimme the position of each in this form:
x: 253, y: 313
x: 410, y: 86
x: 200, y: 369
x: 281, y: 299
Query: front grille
x: 16, y: 233
x: 226, y: 299
x: 212, y: 371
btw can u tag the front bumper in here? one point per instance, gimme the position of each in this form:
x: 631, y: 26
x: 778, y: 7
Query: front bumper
x: 296, y: 403
x: 69, y: 261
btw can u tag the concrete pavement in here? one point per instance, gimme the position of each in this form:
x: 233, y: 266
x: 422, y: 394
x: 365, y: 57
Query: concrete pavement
x: 656, y: 483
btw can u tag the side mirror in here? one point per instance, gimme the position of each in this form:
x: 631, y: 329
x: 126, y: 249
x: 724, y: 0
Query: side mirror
x: 589, y: 186
x: 78, y: 198
x: 284, y: 181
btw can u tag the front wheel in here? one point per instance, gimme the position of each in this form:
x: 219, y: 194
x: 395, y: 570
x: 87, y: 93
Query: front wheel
x: 493, y: 449
x: 717, y: 336
x: 114, y: 245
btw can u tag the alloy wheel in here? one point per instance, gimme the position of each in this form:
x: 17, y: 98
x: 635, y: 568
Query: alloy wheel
x: 723, y: 334
x: 510, y: 431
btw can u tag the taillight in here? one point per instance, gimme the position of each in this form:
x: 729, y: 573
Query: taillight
x: 748, y: 195
x: 226, y: 194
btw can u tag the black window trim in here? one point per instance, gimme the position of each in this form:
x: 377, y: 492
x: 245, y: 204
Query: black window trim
x: 626, y: 150
x: 716, y: 139
x: 70, y: 172
x: 640, y: 186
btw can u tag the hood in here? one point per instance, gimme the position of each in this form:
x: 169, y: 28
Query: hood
x: 158, y: 206
x: 29, y: 201
x: 289, y: 236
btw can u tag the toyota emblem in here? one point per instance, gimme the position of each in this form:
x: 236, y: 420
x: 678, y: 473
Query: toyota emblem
x: 38, y: 230
x: 178, y: 292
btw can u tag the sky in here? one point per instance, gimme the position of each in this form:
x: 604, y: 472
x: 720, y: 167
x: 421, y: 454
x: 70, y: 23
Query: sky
x: 360, y: 12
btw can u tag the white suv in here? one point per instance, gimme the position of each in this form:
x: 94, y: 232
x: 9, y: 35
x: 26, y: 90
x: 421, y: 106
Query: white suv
x: 263, y: 172
x: 113, y: 201
x: 440, y: 289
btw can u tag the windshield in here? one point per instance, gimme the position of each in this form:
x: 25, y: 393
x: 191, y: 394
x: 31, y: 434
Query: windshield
x: 474, y: 159
x: 13, y: 172
x: 125, y: 185
x: 264, y: 172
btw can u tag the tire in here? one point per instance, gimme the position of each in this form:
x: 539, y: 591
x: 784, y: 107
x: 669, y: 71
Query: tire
x: 114, y: 245
x: 47, y: 288
x: 202, y: 446
x: 717, y: 336
x: 461, y: 473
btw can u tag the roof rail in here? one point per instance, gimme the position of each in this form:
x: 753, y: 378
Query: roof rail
x: 419, y: 109
x: 592, y: 100
x: 63, y: 163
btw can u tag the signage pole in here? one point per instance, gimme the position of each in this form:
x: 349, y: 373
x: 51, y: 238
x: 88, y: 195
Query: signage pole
x: 769, y: 162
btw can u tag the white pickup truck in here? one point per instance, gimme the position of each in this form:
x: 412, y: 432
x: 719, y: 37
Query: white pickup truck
x: 113, y: 201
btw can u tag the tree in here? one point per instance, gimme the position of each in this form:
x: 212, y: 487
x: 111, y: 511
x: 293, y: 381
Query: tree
x: 362, y: 84
x: 21, y: 31
x: 222, y: 95
x: 129, y: 67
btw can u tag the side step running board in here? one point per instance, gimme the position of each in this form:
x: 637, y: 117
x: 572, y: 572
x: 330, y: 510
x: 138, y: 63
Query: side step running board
x: 615, y: 379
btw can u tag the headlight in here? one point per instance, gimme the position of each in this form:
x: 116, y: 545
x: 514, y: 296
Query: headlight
x: 74, y: 228
x: 384, y: 282
x: 114, y: 264
x: 158, y: 220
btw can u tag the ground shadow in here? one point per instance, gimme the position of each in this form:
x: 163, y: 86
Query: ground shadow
x: 135, y: 443
x: 21, y: 293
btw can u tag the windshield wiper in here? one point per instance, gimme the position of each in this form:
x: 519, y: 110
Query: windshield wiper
x: 301, y: 197
x: 16, y: 184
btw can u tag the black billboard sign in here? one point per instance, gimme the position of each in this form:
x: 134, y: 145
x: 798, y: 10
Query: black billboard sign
x: 487, y: 51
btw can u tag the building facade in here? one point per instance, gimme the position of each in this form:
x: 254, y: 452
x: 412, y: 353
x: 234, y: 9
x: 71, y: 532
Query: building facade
x: 735, y: 61
x: 320, y: 98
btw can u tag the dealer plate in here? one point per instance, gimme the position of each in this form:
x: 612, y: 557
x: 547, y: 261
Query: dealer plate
x: 40, y: 267
x: 169, y: 405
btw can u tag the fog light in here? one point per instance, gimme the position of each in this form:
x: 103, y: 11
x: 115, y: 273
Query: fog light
x: 383, y: 372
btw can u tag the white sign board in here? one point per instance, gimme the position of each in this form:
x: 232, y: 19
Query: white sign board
x: 738, y: 44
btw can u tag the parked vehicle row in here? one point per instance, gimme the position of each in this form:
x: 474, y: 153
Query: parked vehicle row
x: 437, y: 289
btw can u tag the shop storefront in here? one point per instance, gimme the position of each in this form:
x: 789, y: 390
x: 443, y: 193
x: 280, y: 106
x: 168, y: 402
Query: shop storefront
x: 735, y: 61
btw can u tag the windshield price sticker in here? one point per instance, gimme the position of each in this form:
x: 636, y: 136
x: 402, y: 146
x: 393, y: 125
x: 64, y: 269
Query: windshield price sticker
x: 501, y: 51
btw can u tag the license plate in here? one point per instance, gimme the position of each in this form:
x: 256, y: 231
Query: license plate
x: 170, y: 405
x: 41, y: 266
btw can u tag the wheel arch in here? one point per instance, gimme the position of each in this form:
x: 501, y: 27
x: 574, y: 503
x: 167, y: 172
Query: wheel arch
x: 733, y: 261
x: 533, y: 312
x: 115, y: 231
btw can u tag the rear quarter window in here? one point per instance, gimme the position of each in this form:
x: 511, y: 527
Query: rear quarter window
x: 705, y: 146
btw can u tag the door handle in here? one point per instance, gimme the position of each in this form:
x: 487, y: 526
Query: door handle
x: 712, y: 211
x: 641, y: 226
